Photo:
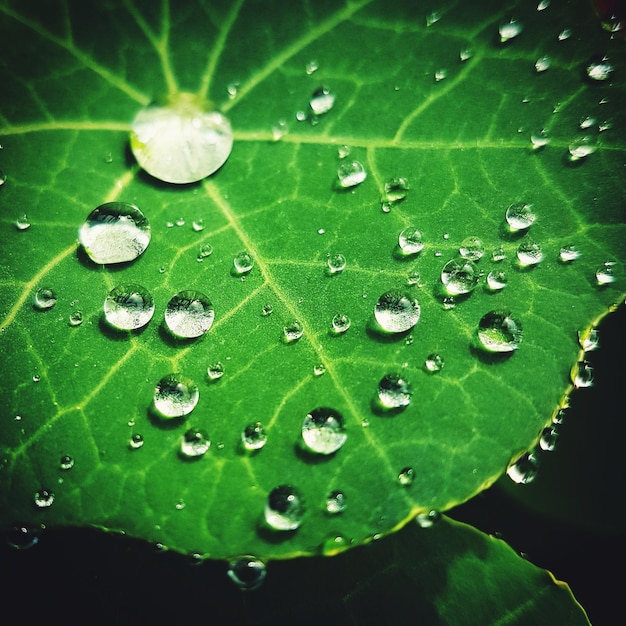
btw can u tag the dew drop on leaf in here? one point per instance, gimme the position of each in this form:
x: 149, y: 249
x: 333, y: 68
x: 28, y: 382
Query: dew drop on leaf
x: 499, y: 332
x: 413, y: 278
x: 472, y: 249
x: 189, y: 314
x: 581, y: 147
x: 498, y: 254
x: 432, y: 18
x: 311, y: 67
x: 267, y: 310
x: 128, y: 307
x: 410, y: 241
x: 76, y: 318
x: 205, y: 251
x: 3, y: 178
x: 36, y: 378
x: 336, y: 263
x: 496, y: 280
x: 341, y: 323
x: 396, y: 312
x: 279, y: 130
x: 465, y: 54
x: 319, y: 369
x: 66, y: 462
x: 194, y: 443
x: 599, y: 68
x: 605, y: 274
x: 427, y: 520
x: 175, y: 395
x: 285, y: 508
x: 198, y: 225
x: 459, y: 276
x: 181, y: 139
x: 396, y: 189
x: 519, y: 216
x: 509, y: 30
x: 434, y: 362
x: 565, y: 34
x: 542, y: 64
x: 247, y: 572
x: 406, y: 476
x: 243, y: 263
x: 323, y: 431
x: 539, y: 139
x: 544, y: 4
x: 440, y: 74
x: 524, y: 470
x: 23, y: 537
x: 215, y: 371
x: 43, y: 498
x: 336, y: 502
x: 394, y: 391
x: 22, y: 222
x: 45, y: 298
x: 549, y: 439
x: 136, y: 441
x: 322, y: 101
x: 589, y: 339
x: 568, y: 253
x: 253, y: 436
x: 529, y: 253
x: 587, y: 122
x: 582, y: 375
x: 351, y: 174
x: 293, y: 331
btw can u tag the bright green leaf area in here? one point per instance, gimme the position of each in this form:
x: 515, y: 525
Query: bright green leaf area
x: 74, y: 74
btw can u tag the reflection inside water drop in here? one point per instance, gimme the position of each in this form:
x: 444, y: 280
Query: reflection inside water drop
x: 285, y: 508
x: 323, y: 431
x: 247, y: 572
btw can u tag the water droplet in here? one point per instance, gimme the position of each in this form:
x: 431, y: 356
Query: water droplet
x: 115, y: 232
x: 45, y: 298
x: 311, y: 67
x: 247, y: 572
x: 300, y: 116
x: 448, y: 303
x: 599, y: 68
x: 181, y: 140
x: 66, y: 462
x: 559, y: 417
x: 568, y: 253
x: 465, y: 54
x: 194, y: 443
x: 285, y: 508
x: 589, y: 339
x: 498, y: 331
x: 128, y: 307
x: 253, y: 436
x: 340, y: 323
x: 543, y: 63
x: 581, y: 147
x: 529, y: 253
x: 396, y: 189
x: 544, y: 4
x: 336, y: 502
x: 43, y: 499
x: 510, y: 30
x: 215, y: 371
x: 427, y: 520
x: 410, y: 241
x: 459, y: 276
x: 162, y: 269
x: 565, y: 34
x: 413, y: 278
x: 472, y: 249
x: 232, y: 88
x: 587, y: 122
x: 36, y: 378
x: 549, y: 439
x: 406, y: 476
x: 319, y: 369
x: 180, y: 221
x: 293, y: 331
x: 205, y: 251
x: 582, y: 375
x: 396, y: 312
x: 323, y: 431
x: 605, y: 274
x: 394, y: 391
x: 351, y: 174
x: 198, y: 225
x: 279, y: 130
x: 136, y: 441
x: 175, y: 395
x: 3, y: 178
x: 434, y: 362
x: 22, y: 537
x: 519, y: 216
x: 496, y: 280
x: 432, y: 18
x: 322, y: 101
x: 336, y: 263
x: 76, y: 318
x: 180, y: 505
x: 498, y: 254
x: 267, y: 310
x: 440, y: 74
x: 189, y: 314
x: 243, y: 263
x: 22, y: 222
x: 539, y: 139
x: 524, y: 470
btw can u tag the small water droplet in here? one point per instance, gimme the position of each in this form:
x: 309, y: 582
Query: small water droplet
x: 267, y: 310
x: 524, y: 470
x: 293, y: 331
x: 128, y: 307
x: 498, y: 254
x: 559, y: 417
x: 232, y: 88
x: 162, y: 269
x: 181, y: 139
x: 589, y: 339
x: 115, y: 232
x: 198, y: 225
x: 180, y: 221
x: 311, y: 67
x: 587, y: 122
x: 66, y: 462
x: 448, y: 303
x: 3, y: 177
x: 189, y: 314
x: 543, y: 63
x: 45, y: 298
x: 22, y: 222
x: 582, y: 375
x: 215, y: 371
x: 427, y: 520
x: 496, y: 280
x: 565, y: 34
x: 396, y: 189
x: 323, y: 431
x: 472, y: 249
x: 465, y: 54
x: 180, y: 505
x: 605, y: 274
x: 23, y: 537
x: 581, y: 147
x: 351, y: 174
x: 509, y: 30
x: 194, y: 443
x: 568, y: 253
x: 136, y: 441
x: 432, y: 18
x: 410, y: 241
x: 599, y: 68
x: 247, y: 572
x: 205, y: 251
x: 285, y: 508
x: 341, y: 323
x: 36, y: 378
x: 76, y: 318
x: 43, y: 499
x: 300, y: 116
x: 322, y: 101
x: 539, y: 139
x: 544, y: 4
x: 406, y: 476
x: 519, y: 216
x: 549, y: 439
x: 459, y: 276
x: 279, y: 130
x: 336, y: 502
x: 413, y: 278
x: 175, y: 395
x: 336, y: 263
x: 434, y: 362
x: 529, y: 253
x: 253, y: 436
x: 394, y: 391
x: 396, y: 312
x: 499, y: 332
x: 243, y: 263
x: 440, y: 74
x: 319, y: 369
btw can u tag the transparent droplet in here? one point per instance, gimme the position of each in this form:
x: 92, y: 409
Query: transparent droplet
x: 341, y: 323
x: 605, y: 274
x: 396, y: 312
x: 581, y: 147
x: 587, y: 123
x: 175, y: 395
x: 599, y: 68
x: 432, y: 18
x: 181, y: 139
x: 336, y: 263
x: 549, y: 439
x: 76, y: 318
x: 559, y: 417
x: 472, y: 249
x: 394, y: 391
x: 243, y: 263
x: 285, y: 508
x: 311, y: 67
x: 115, y: 232
x: 568, y: 253
x: 496, y: 280
x: 351, y: 174
x: 539, y: 139
x: 565, y: 34
x: 465, y: 54
x: 336, y: 502
x: 519, y: 216
x: 322, y: 101
x: 36, y: 378
x: 410, y: 240
x: 613, y: 23
x: 247, y: 572
x: 128, y: 307
x: 498, y: 254
x: 544, y: 4
x: 319, y: 369
x: 215, y: 371
x: 459, y: 276
x: 582, y: 375
x: 300, y: 116
x: 45, y: 298
x: 323, y: 431
x: 510, y: 30
x: 448, y: 303
x: 529, y: 253
x: 23, y: 537
x: 180, y: 221
x: 66, y: 462
x: 543, y: 63
x: 136, y: 441
x: 293, y: 331
x: 232, y: 88
x: 205, y: 251
x: 22, y: 222
x: 189, y: 314
x: 396, y: 189
x: 440, y: 74
x: 180, y: 505
x: 413, y: 278
x: 43, y: 499
x: 253, y: 436
x: 524, y: 470
x: 427, y: 520
x: 194, y: 443
x: 434, y: 362
x: 3, y: 178
x: 499, y: 332
x: 279, y: 130
x: 406, y: 476
x: 267, y: 310
x: 589, y: 339
x: 198, y: 225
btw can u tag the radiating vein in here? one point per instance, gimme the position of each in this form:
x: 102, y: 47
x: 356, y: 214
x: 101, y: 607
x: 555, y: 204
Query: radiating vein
x: 36, y: 127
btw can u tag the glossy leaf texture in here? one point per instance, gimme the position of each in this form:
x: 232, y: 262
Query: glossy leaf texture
x: 443, y: 103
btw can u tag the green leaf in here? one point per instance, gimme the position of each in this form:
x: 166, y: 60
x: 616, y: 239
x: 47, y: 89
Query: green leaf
x: 75, y: 74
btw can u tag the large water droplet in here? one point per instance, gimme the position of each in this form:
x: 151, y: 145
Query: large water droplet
x: 43, y: 498
x: 472, y: 249
x: 285, y: 508
x: 128, y: 307
x: 336, y: 502
x: 549, y: 439
x: 496, y: 280
x: 498, y: 331
x: 181, y: 139
x: 115, y: 232
x: 529, y: 253
x: 189, y: 314
x: 247, y: 572
x: 459, y: 276
x: 341, y: 323
x: 293, y: 331
x: 605, y: 274
x: 45, y: 298
x: 243, y: 263
x: 175, y: 395
x: 396, y: 312
x: 253, y: 436
x: 581, y: 147
x: 322, y: 101
x: 194, y: 443
x: 410, y: 241
x: 351, y: 174
x: 323, y: 431
x: 599, y: 68
x: 394, y: 391
x: 524, y: 470
x: 519, y: 216
x: 509, y: 30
